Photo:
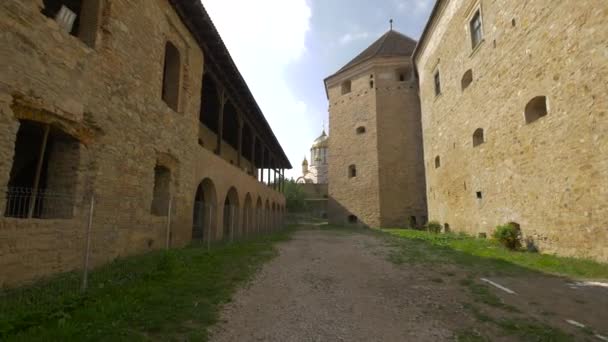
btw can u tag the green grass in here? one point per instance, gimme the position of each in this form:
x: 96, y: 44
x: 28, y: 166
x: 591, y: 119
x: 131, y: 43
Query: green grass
x: 485, y: 255
x: 168, y: 296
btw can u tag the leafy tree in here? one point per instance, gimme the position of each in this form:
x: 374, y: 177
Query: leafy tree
x: 295, y: 196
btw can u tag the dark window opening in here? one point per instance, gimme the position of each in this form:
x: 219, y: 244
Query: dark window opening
x: 536, y: 109
x: 476, y: 32
x: 360, y: 129
x: 446, y: 228
x: 162, y: 191
x: 478, y: 137
x: 352, y: 219
x: 352, y: 171
x: 371, y: 84
x: 479, y: 195
x: 231, y: 125
x: 402, y: 74
x: 43, y: 175
x: 171, y: 76
x: 210, y: 104
x: 513, y: 22
x: 467, y: 79
x: 199, y: 213
x: 437, y: 162
x: 437, y: 84
x: 346, y: 87
x: 80, y: 18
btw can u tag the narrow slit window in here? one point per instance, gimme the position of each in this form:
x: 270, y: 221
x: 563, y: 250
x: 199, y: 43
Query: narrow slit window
x: 171, y: 76
x: 478, y: 137
x: 437, y: 162
x: 352, y: 171
x: 437, y: 79
x: 467, y: 79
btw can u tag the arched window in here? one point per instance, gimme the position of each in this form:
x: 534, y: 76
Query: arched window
x: 162, y: 191
x: 352, y: 171
x: 536, y: 109
x: 360, y: 129
x: 346, y: 87
x: 171, y: 76
x: 437, y: 162
x: 467, y: 79
x: 478, y: 137
x: 352, y: 219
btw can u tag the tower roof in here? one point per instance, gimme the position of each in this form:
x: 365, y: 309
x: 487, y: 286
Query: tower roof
x: 391, y: 44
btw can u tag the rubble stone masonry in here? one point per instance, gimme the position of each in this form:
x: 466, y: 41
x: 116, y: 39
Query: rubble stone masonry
x: 107, y: 96
x: 549, y: 175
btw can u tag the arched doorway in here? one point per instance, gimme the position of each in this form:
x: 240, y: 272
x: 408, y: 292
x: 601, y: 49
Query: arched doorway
x: 273, y: 216
x: 258, y: 215
x: 248, y: 215
x: 203, y: 219
x: 266, y: 226
x: 231, y: 214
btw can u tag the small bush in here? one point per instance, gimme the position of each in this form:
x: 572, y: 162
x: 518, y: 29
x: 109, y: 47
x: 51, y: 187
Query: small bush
x: 433, y: 227
x: 509, y: 236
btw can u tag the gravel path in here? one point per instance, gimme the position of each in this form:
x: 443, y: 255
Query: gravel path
x: 332, y: 286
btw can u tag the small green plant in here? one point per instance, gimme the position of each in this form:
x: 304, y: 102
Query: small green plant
x: 433, y: 227
x: 508, y: 235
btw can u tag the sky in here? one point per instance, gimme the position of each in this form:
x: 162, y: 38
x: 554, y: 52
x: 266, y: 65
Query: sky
x: 286, y: 48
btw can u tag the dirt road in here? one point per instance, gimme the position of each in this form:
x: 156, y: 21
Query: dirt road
x: 340, y: 286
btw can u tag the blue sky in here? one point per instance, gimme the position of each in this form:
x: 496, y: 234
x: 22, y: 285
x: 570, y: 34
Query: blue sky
x: 285, y: 48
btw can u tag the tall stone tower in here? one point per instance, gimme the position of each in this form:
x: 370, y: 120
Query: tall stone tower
x: 376, y: 168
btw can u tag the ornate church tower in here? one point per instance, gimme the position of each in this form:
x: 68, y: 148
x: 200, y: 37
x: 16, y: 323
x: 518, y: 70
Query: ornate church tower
x: 376, y: 168
x: 317, y: 171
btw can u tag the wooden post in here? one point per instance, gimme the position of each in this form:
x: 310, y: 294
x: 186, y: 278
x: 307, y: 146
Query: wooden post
x: 220, y: 124
x: 34, y: 193
x: 240, y: 141
x: 253, y: 164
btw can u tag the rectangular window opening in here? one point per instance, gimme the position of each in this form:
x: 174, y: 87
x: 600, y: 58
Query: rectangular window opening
x: 475, y: 27
x: 43, y: 176
x: 79, y: 18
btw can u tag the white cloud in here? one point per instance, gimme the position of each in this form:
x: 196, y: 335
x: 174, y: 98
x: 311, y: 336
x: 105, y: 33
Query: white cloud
x: 264, y: 37
x: 351, y: 37
x: 415, y: 6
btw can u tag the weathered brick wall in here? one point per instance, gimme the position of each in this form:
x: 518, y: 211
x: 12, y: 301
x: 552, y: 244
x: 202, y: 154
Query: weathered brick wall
x: 107, y: 97
x: 550, y: 176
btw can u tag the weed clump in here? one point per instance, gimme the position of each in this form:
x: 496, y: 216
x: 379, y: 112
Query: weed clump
x: 508, y: 235
x: 433, y: 227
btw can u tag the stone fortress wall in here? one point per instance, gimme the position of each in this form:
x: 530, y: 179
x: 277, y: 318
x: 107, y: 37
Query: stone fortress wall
x: 376, y: 128
x: 491, y: 157
x: 112, y: 132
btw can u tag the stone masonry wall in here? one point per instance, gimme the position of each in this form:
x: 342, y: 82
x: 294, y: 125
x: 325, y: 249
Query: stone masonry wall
x: 550, y: 176
x: 108, y: 97
x: 389, y: 186
x: 401, y: 165
x: 359, y: 196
